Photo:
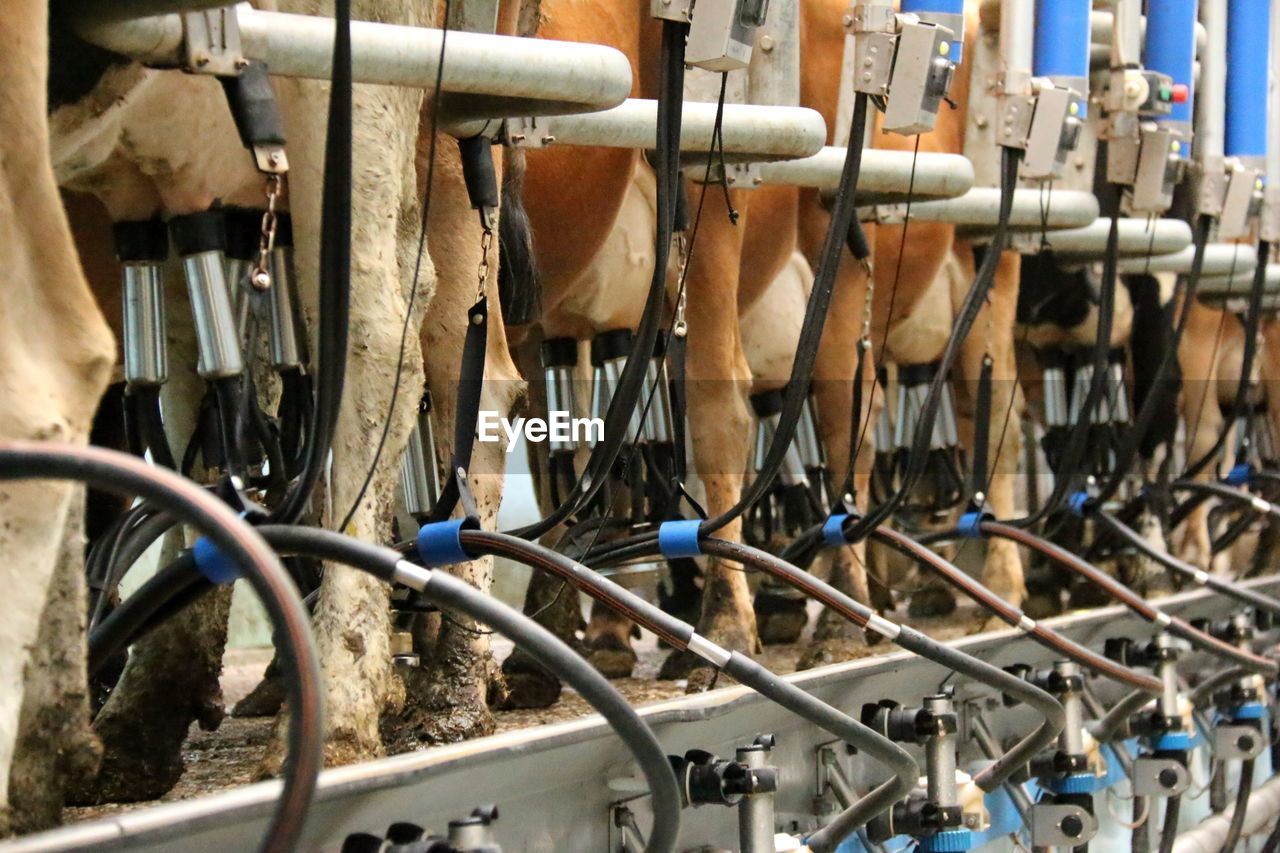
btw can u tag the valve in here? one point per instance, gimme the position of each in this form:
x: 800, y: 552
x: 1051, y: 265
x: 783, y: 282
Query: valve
x: 1162, y: 770
x: 709, y: 780
x: 472, y: 834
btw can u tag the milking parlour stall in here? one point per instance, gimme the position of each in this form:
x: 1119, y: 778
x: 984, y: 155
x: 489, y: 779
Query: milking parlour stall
x: 464, y: 426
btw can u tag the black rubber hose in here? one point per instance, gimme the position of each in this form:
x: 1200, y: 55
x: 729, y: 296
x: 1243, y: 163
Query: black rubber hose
x: 1106, y: 728
x: 1230, y: 493
x: 127, y: 622
x: 335, y: 277
x: 631, y: 382
x: 124, y: 474
x: 130, y: 547
x: 1203, y: 692
x: 1147, y: 414
x: 389, y: 565
x: 682, y: 636
x: 1217, y: 584
x: 1169, y: 829
x: 1243, y: 791
x: 1272, y: 844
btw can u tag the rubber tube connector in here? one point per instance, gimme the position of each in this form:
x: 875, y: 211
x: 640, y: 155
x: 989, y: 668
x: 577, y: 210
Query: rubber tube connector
x: 833, y: 530
x: 212, y: 563
x: 679, y: 539
x: 440, y: 543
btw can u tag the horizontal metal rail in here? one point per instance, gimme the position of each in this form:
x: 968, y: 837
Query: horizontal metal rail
x: 1138, y: 238
x: 581, y: 769
x: 978, y: 208
x: 498, y: 75
x: 1220, y: 259
x: 749, y: 131
x: 1239, y: 284
x: 885, y: 175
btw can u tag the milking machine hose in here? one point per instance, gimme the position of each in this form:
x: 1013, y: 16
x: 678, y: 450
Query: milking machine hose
x: 390, y: 565
x: 1226, y: 492
x: 912, y: 640
x: 187, y: 502
x: 1175, y: 625
x: 743, y: 669
x: 1107, y: 727
x: 1217, y: 584
x: 1243, y: 789
x: 1013, y: 616
x: 631, y: 382
x: 1203, y: 692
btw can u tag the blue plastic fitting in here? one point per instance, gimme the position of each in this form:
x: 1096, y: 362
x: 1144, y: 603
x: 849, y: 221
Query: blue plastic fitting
x: 1076, y: 503
x: 440, y: 543
x: 1172, y: 741
x: 1062, y: 39
x: 970, y: 524
x: 212, y: 563
x: 679, y: 539
x: 1239, y: 475
x: 833, y: 530
x: 1248, y: 32
x: 1249, y: 711
x: 948, y: 841
x: 1171, y: 47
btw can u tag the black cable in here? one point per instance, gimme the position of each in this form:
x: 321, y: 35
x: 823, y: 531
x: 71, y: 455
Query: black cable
x: 632, y: 379
x: 1146, y: 416
x: 125, y: 624
x: 1272, y: 844
x: 1243, y: 790
x: 187, y: 502
x: 335, y: 276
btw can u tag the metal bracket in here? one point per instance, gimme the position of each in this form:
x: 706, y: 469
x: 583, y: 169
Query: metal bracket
x: 211, y: 42
x: 526, y: 132
x: 1014, y: 124
x: 1232, y: 742
x: 722, y: 32
x: 1156, y: 170
x: 1061, y: 825
x: 1159, y: 777
x: 1269, y: 223
x: 1210, y: 186
x: 1054, y: 132
x: 1241, y: 201
x: 671, y: 10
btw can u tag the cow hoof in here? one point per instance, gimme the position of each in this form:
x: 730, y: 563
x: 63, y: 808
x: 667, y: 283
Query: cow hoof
x: 528, y: 685
x: 613, y: 663
x: 264, y: 701
x: 779, y: 619
x: 128, y: 776
x: 678, y: 666
x: 829, y: 651
x: 701, y: 679
x: 529, y: 689
x: 1042, y: 605
x: 931, y: 601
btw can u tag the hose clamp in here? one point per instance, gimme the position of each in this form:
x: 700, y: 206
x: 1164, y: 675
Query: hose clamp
x: 678, y: 539
x: 213, y: 563
x: 833, y: 530
x: 440, y: 543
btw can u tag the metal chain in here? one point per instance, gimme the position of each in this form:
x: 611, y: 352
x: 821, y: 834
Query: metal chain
x: 680, y: 328
x: 482, y: 272
x: 261, y: 276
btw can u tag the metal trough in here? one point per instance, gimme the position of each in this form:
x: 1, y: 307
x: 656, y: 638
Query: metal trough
x: 750, y: 132
x: 554, y: 784
x: 885, y: 175
x: 498, y: 75
x: 1220, y: 260
x: 1138, y: 238
x: 1032, y: 209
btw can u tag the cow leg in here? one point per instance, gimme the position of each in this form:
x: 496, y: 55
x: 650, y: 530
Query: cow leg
x: 552, y: 602
x: 1202, y: 419
x: 447, y: 698
x: 993, y: 334
x: 55, y: 354
x: 718, y: 377
x: 56, y: 746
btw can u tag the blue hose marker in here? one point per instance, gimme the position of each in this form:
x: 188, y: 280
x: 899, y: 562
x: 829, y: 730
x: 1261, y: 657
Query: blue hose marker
x: 1249, y: 711
x: 1076, y: 503
x: 1062, y: 39
x: 1172, y: 741
x: 440, y: 543
x: 212, y: 563
x: 679, y: 539
x: 1171, y: 47
x: 970, y: 524
x: 1248, y: 32
x: 833, y: 530
x: 1239, y: 475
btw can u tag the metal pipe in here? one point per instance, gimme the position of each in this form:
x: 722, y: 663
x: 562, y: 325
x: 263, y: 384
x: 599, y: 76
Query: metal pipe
x: 146, y: 360
x: 1017, y: 38
x: 750, y: 131
x: 1137, y: 237
x: 1269, y: 223
x: 1248, y: 31
x: 1126, y: 23
x: 124, y: 10
x: 1062, y: 34
x: 885, y: 175
x: 1220, y: 259
x: 1209, y: 139
x: 1032, y: 209
x: 1208, y: 837
x: 1170, y: 49
x: 940, y: 757
x: 1239, y: 284
x: 501, y: 75
x: 755, y: 812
